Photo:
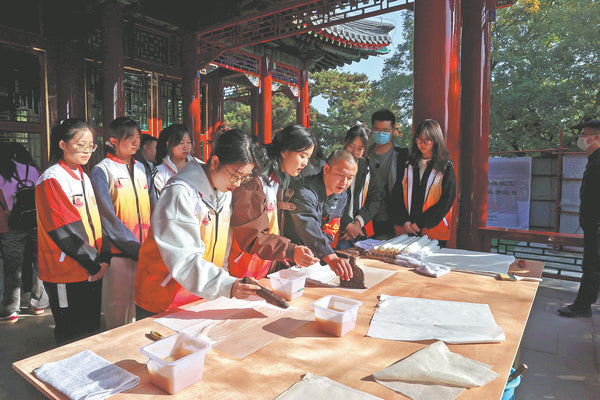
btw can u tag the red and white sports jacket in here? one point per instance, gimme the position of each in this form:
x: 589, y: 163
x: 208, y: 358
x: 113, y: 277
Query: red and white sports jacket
x: 125, y: 203
x: 69, y: 231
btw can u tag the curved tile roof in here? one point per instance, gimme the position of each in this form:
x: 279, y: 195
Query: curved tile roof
x: 365, y: 34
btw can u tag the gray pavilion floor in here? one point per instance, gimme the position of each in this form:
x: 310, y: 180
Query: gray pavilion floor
x: 563, y: 354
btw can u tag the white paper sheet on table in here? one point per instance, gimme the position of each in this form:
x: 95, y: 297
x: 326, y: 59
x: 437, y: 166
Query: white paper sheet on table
x: 322, y: 275
x: 315, y: 387
x: 237, y: 327
x: 407, y: 318
x: 471, y: 260
x: 435, y: 373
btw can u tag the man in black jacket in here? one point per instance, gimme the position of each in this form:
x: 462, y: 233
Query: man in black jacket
x: 320, y: 200
x: 589, y: 218
x: 388, y: 162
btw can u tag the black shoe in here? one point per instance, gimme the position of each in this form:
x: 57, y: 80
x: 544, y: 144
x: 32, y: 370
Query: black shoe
x: 571, y: 312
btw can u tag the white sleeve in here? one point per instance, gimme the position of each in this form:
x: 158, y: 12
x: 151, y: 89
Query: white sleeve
x: 158, y: 180
x: 177, y: 234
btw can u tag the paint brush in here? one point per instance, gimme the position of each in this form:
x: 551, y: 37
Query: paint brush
x: 520, y: 369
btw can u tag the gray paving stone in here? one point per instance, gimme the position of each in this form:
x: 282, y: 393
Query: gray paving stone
x: 550, y: 377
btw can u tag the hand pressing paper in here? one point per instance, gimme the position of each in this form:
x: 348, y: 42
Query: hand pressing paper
x: 435, y: 373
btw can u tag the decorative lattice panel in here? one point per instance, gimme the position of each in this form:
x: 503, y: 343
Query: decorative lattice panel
x: 238, y: 62
x: 171, y: 103
x: 286, y: 75
x: 151, y: 46
x: 137, y: 97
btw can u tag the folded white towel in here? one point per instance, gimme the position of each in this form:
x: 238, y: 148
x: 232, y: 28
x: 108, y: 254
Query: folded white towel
x: 407, y: 261
x: 86, y: 375
x: 427, y: 268
x: 435, y: 270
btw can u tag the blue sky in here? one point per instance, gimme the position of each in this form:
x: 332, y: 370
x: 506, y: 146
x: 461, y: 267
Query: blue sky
x: 371, y: 66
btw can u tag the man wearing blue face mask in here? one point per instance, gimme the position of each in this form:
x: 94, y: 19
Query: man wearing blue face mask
x: 589, y: 219
x: 388, y: 163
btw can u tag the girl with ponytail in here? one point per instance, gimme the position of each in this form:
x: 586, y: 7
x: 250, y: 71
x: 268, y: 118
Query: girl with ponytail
x: 257, y: 213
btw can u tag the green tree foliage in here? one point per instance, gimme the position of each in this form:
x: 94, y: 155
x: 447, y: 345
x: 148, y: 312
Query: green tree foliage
x: 347, y: 96
x: 284, y: 111
x: 237, y: 115
x: 394, y: 89
x: 545, y: 71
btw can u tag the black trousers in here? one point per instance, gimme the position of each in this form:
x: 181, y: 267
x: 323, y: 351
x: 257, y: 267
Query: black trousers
x: 140, y: 313
x: 76, y: 309
x: 590, y: 281
x: 383, y: 229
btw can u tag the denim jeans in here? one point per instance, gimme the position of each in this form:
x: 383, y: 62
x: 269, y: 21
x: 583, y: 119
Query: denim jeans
x: 13, y: 249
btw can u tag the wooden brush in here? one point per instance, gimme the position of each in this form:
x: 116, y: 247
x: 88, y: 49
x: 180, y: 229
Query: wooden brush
x: 267, y: 294
x: 358, y: 277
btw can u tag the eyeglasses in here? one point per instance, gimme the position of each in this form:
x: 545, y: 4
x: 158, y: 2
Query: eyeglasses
x: 239, y: 178
x: 82, y: 148
x: 423, y: 141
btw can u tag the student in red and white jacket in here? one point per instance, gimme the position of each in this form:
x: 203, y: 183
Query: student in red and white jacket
x: 122, y: 187
x: 72, y: 255
x: 427, y: 191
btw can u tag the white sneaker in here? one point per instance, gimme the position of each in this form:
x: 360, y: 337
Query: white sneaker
x: 11, y: 318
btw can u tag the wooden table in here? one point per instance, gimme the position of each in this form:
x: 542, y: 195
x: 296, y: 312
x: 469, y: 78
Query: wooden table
x: 350, y: 360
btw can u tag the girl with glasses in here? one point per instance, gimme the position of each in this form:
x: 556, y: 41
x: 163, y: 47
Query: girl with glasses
x: 257, y: 214
x: 428, y: 189
x: 125, y: 200
x: 187, y: 245
x: 73, y: 257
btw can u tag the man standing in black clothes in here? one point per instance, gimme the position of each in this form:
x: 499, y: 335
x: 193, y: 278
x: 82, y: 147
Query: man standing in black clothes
x: 389, y: 161
x: 589, y: 218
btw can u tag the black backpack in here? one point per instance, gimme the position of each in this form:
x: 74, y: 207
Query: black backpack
x: 23, y: 216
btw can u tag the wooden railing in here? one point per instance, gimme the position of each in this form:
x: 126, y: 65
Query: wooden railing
x: 562, y: 253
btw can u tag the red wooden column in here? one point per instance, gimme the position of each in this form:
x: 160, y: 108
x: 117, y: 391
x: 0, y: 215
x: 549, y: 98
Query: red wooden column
x: 265, y: 101
x: 474, y: 123
x: 191, y: 92
x: 154, y: 120
x: 112, y: 37
x: 302, y: 109
x: 254, y: 111
x: 215, y: 106
x: 436, y: 91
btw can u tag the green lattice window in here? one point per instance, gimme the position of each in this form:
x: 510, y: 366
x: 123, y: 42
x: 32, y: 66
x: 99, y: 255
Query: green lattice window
x: 94, y: 78
x: 31, y: 140
x: 20, y: 97
x: 171, y: 103
x: 137, y: 100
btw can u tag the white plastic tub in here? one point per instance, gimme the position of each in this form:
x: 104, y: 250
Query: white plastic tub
x: 288, y: 283
x: 176, y: 361
x: 336, y: 315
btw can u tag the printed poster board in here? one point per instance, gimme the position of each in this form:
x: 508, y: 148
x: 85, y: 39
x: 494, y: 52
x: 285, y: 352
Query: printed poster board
x: 509, y: 192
